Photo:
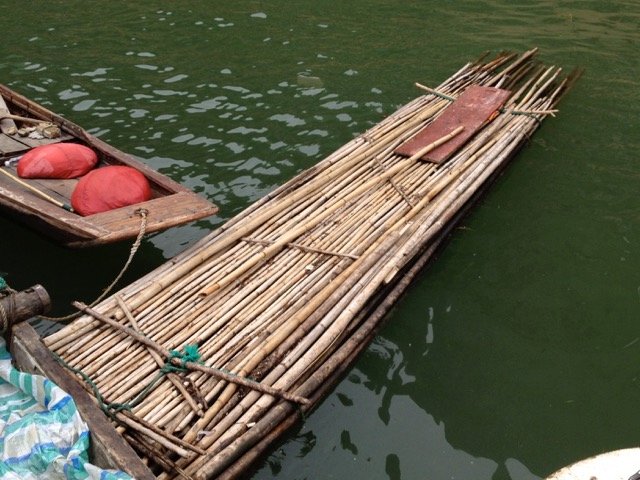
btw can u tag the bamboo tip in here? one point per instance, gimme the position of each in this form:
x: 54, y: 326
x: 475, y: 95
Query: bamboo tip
x: 78, y: 305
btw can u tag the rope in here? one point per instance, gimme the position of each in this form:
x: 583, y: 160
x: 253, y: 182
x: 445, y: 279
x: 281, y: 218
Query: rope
x: 6, y: 316
x: 134, y: 248
x: 189, y: 353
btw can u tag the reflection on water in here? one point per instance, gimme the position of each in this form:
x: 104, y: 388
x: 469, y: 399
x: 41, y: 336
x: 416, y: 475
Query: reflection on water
x: 400, y: 438
x: 350, y: 430
x: 517, y: 352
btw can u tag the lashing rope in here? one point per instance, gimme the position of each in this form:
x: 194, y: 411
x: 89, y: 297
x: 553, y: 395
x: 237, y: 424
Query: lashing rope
x: 134, y: 248
x: 189, y: 353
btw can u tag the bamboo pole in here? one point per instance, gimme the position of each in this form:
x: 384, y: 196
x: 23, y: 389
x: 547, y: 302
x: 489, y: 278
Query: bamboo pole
x: 190, y: 365
x: 37, y: 191
x: 206, y: 469
x: 173, y: 378
x: 289, y: 236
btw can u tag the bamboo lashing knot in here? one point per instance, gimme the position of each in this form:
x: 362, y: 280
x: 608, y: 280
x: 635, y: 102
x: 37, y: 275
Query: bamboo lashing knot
x: 121, y: 412
x: 189, y: 353
x: 216, y: 372
x: 367, y: 138
x: 173, y: 377
x: 435, y: 92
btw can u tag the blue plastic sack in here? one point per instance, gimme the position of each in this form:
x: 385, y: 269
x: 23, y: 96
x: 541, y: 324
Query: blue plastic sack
x: 42, y: 435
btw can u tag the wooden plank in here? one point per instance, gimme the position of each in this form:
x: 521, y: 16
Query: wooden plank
x: 163, y: 212
x: 20, y: 306
x: 472, y: 109
x: 107, y: 449
x: 36, y: 142
x: 33, y: 209
x: 59, y: 188
x: 11, y: 143
x: 7, y: 125
x: 9, y: 146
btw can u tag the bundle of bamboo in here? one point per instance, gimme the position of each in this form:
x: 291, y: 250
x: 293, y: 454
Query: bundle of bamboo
x: 284, y: 295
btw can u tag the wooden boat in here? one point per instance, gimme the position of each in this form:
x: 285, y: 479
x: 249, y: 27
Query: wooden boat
x: 171, y: 203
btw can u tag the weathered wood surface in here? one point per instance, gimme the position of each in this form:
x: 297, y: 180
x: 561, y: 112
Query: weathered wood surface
x: 171, y: 205
x: 25, y: 304
x: 59, y: 188
x: 170, y: 210
x: 472, y: 109
x: 39, y: 213
x: 9, y: 146
x: 108, y: 449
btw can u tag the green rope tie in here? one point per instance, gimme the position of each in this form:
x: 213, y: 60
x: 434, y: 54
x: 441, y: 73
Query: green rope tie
x: 518, y: 112
x: 442, y: 95
x: 189, y: 353
x: 3, y: 284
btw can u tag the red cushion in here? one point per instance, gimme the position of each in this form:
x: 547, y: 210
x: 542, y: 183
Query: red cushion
x: 107, y: 188
x: 57, y: 160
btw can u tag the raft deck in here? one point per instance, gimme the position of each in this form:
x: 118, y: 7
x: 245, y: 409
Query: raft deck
x: 286, y: 294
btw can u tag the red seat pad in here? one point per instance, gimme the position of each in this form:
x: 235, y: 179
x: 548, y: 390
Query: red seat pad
x: 57, y: 160
x: 107, y: 188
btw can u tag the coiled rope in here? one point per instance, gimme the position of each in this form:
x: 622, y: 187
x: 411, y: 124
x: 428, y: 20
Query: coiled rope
x: 6, y: 316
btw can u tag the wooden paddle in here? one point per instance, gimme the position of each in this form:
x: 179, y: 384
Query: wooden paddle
x: 49, y: 198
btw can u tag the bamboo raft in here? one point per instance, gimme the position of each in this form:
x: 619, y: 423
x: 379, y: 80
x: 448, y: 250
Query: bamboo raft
x: 282, y: 298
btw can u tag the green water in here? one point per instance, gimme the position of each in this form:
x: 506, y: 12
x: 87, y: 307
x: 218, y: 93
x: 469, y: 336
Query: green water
x: 518, y: 351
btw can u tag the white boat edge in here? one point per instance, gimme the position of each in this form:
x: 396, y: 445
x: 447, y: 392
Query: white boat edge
x: 616, y: 465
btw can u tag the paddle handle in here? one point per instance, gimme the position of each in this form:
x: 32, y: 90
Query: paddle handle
x: 49, y: 198
x: 10, y: 116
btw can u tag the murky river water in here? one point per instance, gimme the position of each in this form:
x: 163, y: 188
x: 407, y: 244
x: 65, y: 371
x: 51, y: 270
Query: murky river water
x: 518, y: 351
